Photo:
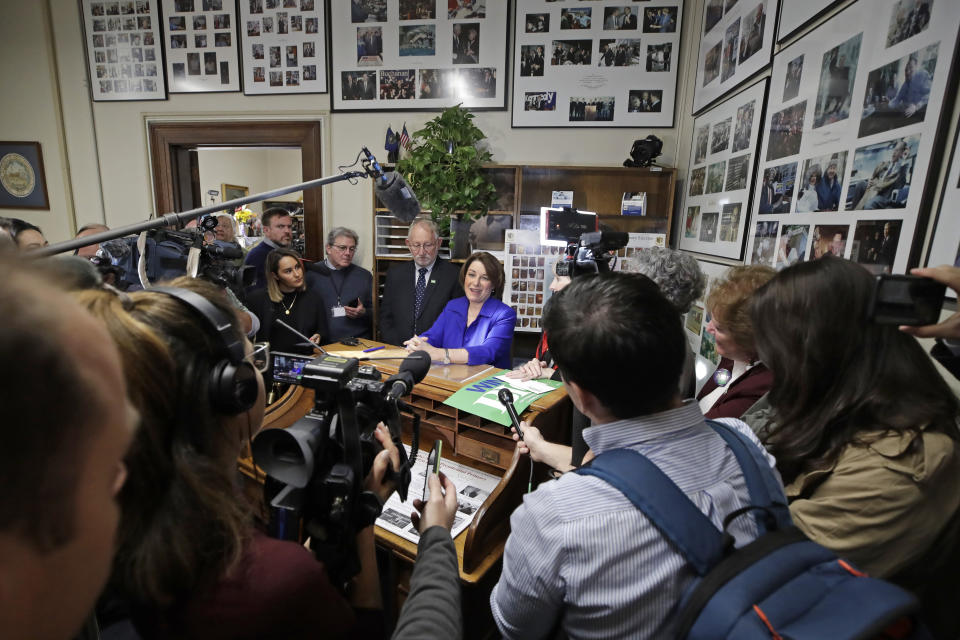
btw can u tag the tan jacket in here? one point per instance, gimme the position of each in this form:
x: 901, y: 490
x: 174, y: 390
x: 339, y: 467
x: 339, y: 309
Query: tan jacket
x: 881, y: 505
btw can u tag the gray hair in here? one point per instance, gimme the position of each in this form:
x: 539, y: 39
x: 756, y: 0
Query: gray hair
x: 427, y: 224
x: 336, y: 232
x: 676, y: 273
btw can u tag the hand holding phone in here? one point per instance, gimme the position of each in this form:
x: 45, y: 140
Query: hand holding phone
x: 906, y: 300
x: 949, y: 328
x: 433, y: 467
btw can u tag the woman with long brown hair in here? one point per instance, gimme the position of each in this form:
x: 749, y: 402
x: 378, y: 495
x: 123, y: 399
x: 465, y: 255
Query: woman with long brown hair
x: 863, y: 428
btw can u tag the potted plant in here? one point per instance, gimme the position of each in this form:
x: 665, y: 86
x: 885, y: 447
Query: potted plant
x: 445, y: 169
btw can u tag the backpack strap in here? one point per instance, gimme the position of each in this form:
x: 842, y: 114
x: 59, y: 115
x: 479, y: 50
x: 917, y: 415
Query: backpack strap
x: 762, y: 484
x: 664, y: 504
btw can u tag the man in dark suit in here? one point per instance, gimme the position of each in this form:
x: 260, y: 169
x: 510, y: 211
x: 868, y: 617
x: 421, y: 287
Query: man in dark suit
x: 416, y: 292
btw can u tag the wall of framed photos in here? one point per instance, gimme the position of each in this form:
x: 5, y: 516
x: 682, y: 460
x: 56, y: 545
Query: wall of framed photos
x: 853, y: 120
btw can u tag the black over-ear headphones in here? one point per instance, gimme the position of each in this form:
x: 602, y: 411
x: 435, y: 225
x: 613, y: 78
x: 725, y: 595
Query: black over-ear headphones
x: 232, y: 379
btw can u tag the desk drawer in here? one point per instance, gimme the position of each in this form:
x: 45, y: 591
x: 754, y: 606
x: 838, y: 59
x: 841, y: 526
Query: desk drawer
x: 485, y: 447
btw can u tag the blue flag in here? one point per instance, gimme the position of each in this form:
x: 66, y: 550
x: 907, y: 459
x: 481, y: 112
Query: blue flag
x: 391, y: 143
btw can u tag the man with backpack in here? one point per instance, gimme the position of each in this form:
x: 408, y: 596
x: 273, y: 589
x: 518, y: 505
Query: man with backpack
x: 580, y: 555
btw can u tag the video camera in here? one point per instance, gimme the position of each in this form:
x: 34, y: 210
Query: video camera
x: 586, y: 251
x: 325, y: 456
x: 167, y: 254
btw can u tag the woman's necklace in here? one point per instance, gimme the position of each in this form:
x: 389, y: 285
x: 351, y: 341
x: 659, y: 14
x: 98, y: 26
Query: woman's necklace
x: 286, y: 309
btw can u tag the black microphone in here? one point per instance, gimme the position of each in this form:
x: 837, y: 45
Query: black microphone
x: 413, y: 369
x: 396, y: 195
x: 505, y: 396
x: 393, y: 190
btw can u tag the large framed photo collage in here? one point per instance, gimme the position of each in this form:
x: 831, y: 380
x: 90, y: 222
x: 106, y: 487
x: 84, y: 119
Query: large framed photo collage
x: 418, y: 54
x: 852, y: 121
x: 610, y: 63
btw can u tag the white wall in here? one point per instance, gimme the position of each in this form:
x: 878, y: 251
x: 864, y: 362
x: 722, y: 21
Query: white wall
x: 258, y: 169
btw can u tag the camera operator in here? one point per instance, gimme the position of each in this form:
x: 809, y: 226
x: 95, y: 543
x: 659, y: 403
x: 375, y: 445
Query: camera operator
x: 189, y: 562
x: 61, y: 461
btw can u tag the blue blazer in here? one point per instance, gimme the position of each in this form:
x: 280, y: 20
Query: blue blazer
x: 487, y: 340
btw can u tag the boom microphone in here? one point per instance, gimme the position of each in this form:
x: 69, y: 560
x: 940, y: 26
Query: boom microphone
x: 392, y: 189
x: 413, y: 369
x: 396, y: 195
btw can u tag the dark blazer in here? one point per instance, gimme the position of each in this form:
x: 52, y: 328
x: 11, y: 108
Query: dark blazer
x: 740, y: 394
x: 396, y: 321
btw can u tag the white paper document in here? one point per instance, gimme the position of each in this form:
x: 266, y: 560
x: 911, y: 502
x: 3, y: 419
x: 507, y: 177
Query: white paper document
x: 473, y: 487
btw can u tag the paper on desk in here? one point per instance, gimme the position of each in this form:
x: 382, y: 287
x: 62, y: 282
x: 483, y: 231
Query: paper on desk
x: 481, y: 396
x: 473, y: 487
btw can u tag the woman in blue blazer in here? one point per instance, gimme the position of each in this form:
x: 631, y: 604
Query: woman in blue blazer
x: 475, y: 329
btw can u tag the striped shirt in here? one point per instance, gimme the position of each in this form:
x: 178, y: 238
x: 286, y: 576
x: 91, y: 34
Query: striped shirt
x: 579, y: 549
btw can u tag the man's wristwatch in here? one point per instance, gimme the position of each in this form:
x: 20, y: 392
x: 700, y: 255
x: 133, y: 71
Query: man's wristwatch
x: 446, y: 356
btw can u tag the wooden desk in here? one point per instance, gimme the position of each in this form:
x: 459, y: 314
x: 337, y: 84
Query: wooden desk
x: 475, y: 442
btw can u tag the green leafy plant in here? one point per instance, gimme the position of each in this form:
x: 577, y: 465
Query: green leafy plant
x: 445, y: 168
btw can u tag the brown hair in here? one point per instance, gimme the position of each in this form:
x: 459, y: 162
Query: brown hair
x: 270, y: 267
x: 44, y: 442
x: 491, y: 265
x: 729, y: 301
x: 183, y: 525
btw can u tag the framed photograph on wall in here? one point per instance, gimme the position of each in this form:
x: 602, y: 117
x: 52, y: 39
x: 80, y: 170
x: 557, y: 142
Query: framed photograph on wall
x: 418, y: 55
x: 695, y: 322
x: 796, y: 15
x: 200, y: 40
x: 232, y: 192
x: 852, y: 122
x: 599, y: 64
x: 945, y: 244
x: 720, y: 178
x: 736, y: 41
x: 283, y: 44
x: 124, y: 53
x: 22, y: 182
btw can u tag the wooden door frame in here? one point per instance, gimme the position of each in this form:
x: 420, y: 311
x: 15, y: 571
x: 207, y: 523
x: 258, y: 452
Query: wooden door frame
x: 164, y: 137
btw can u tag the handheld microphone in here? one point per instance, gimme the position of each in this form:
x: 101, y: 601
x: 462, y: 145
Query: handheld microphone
x: 505, y: 396
x: 297, y: 333
x: 413, y: 370
x: 393, y: 190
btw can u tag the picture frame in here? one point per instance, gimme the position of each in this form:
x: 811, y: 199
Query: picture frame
x: 727, y: 136
x: 283, y: 46
x: 945, y: 243
x: 695, y: 321
x: 418, y: 55
x: 736, y: 43
x: 124, y: 50
x: 23, y: 184
x: 232, y: 192
x: 200, y: 40
x: 599, y: 64
x: 854, y: 118
x: 796, y: 15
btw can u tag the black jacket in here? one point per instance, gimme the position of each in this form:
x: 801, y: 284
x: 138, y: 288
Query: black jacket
x: 396, y: 321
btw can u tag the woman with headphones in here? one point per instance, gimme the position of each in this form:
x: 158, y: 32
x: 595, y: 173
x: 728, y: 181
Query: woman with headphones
x: 189, y: 561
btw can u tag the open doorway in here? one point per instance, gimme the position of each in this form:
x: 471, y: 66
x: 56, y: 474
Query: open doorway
x: 176, y: 171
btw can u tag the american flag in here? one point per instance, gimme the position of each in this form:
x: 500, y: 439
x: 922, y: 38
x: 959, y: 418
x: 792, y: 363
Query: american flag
x: 404, y: 137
